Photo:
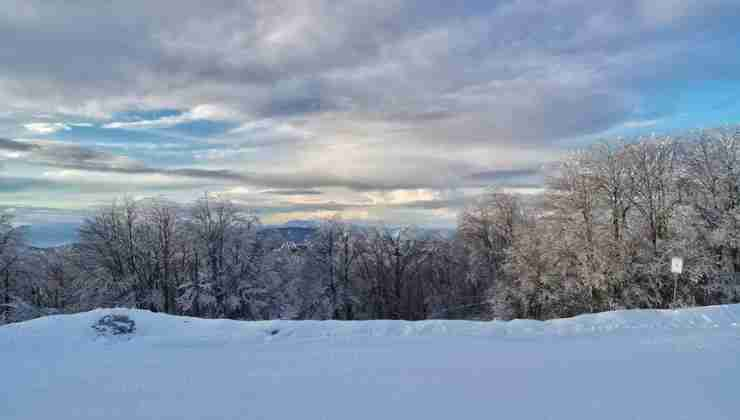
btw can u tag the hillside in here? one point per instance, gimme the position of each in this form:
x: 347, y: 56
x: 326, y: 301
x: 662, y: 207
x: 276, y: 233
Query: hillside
x: 615, y: 365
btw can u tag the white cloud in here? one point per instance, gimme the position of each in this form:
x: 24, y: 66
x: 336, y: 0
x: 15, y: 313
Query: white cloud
x: 353, y: 215
x: 523, y: 191
x: 206, y: 112
x: 87, y: 177
x: 46, y: 128
x: 239, y: 190
x: 212, y: 112
x: 641, y: 123
x: 10, y: 155
x: 403, y: 196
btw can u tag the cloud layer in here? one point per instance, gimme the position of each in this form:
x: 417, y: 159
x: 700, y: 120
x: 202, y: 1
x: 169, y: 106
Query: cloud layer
x: 312, y: 104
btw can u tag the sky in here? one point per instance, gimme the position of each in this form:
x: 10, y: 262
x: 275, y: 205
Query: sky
x: 376, y: 110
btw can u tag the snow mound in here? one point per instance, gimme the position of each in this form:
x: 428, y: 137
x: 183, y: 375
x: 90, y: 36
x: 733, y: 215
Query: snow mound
x: 643, y: 364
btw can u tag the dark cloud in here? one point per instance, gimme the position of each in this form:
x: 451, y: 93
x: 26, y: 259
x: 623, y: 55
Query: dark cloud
x: 520, y: 178
x: 47, y: 186
x: 72, y: 156
x: 15, y: 184
x: 292, y: 192
x: 420, y: 115
x: 81, y: 158
x: 454, y: 203
x: 334, y: 206
x: 504, y: 174
x: 15, y: 146
x: 309, y: 207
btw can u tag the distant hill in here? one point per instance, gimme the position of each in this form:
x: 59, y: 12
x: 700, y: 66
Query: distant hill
x: 51, y: 235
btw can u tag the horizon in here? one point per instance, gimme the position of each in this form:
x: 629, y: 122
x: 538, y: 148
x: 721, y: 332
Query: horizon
x: 399, y: 112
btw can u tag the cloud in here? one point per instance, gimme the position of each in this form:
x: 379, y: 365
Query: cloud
x: 521, y: 178
x: 15, y: 184
x: 16, y: 146
x: 45, y: 127
x: 293, y: 58
x: 641, y: 123
x: 74, y: 157
x: 292, y: 192
x: 198, y: 113
x: 359, y: 96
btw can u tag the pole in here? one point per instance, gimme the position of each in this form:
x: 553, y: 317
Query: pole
x: 675, y: 288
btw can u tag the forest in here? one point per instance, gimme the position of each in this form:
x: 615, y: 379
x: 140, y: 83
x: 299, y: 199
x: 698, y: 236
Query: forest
x: 600, y: 237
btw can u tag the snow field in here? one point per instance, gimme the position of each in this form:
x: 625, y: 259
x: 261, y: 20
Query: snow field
x: 617, y: 365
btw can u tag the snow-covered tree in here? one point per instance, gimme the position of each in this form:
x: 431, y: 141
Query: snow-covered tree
x: 328, y: 271
x: 224, y: 239
x: 11, y: 240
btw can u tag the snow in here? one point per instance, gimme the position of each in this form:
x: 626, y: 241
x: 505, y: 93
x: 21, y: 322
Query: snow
x: 679, y: 364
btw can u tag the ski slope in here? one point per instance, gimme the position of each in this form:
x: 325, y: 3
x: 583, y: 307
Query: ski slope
x: 617, y: 365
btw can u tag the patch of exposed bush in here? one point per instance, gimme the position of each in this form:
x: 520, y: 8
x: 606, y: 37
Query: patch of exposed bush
x: 115, y: 325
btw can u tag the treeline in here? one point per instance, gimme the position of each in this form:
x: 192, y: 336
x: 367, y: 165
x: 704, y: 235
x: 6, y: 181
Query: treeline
x: 600, y: 237
x: 214, y: 259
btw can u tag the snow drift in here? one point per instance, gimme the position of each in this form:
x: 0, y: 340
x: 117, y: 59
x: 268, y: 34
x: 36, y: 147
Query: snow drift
x: 616, y: 365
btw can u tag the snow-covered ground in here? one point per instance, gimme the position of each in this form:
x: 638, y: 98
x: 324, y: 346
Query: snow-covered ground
x: 618, y: 365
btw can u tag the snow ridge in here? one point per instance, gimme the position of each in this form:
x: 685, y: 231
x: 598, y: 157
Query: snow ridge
x: 149, y: 324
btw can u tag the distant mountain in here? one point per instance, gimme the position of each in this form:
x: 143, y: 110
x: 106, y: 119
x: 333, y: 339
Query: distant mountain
x: 297, y: 234
x: 48, y: 235
x: 311, y: 224
x: 297, y: 231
